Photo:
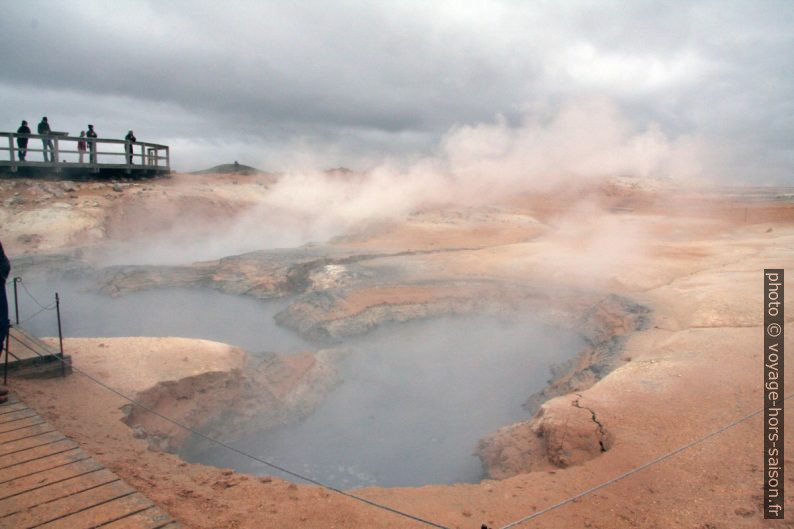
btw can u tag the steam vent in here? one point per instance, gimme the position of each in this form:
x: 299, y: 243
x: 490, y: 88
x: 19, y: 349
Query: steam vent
x: 358, y: 265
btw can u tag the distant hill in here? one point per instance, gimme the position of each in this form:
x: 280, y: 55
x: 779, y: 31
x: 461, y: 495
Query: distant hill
x: 344, y: 174
x: 339, y: 171
x: 230, y: 168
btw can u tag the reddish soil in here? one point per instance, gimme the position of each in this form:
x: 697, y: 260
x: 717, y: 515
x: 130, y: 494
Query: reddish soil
x: 698, y: 366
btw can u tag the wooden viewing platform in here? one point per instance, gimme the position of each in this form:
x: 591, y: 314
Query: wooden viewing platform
x: 29, y: 357
x: 111, y: 157
x: 47, y: 481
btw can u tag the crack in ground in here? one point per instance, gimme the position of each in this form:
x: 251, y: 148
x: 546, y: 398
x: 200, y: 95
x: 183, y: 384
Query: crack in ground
x: 602, y: 433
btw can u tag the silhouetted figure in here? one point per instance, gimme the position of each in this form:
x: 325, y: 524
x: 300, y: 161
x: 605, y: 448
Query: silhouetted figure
x: 22, y: 143
x: 44, y: 129
x: 92, y: 144
x: 5, y: 270
x: 81, y: 146
x: 130, y: 137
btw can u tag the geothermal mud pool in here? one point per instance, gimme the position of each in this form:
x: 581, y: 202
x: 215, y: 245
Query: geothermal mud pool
x: 412, y: 401
x: 195, y: 313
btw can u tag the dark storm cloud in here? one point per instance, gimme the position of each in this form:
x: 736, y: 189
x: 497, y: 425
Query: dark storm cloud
x: 341, y: 66
x: 359, y: 80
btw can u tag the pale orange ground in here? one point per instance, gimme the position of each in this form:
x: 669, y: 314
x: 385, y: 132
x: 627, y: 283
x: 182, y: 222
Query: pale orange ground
x: 695, y: 369
x: 131, y: 365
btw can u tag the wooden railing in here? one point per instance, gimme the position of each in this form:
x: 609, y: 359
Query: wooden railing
x: 100, y: 153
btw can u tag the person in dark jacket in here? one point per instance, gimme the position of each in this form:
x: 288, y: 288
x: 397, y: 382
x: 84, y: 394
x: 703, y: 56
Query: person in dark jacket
x: 5, y: 270
x: 44, y: 129
x: 91, y: 144
x: 22, y: 143
x: 130, y: 137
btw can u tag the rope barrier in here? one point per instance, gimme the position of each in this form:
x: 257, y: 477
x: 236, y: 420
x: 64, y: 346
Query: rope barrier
x: 252, y: 457
x: 29, y: 294
x: 26, y: 346
x: 633, y: 471
x: 50, y: 307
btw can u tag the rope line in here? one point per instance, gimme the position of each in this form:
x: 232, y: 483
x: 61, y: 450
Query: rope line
x: 50, y: 307
x: 29, y: 348
x: 252, y: 457
x: 19, y: 280
x: 26, y: 345
x: 659, y: 459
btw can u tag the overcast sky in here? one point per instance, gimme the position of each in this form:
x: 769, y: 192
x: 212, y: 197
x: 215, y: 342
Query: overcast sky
x: 327, y: 83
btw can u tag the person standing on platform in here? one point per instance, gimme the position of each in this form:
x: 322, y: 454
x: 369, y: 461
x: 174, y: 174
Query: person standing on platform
x: 130, y: 137
x: 44, y: 130
x: 22, y: 142
x: 5, y: 270
x: 81, y: 145
x: 92, y: 144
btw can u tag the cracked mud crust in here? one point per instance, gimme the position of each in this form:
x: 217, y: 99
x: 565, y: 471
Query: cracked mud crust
x: 604, y: 439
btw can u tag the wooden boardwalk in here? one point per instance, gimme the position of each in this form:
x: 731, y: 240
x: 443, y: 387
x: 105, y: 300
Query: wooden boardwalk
x: 47, y: 481
x: 30, y: 357
x: 64, y: 158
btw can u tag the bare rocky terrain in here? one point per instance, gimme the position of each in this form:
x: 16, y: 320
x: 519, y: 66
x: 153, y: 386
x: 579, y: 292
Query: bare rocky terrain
x: 663, y: 285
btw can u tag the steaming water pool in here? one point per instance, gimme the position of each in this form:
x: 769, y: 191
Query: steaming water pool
x: 414, y: 398
x: 414, y: 402
x: 193, y: 313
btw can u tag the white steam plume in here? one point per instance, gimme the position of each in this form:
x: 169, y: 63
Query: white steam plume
x: 582, y: 144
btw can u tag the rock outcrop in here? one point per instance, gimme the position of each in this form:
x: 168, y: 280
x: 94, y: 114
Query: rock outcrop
x: 567, y: 430
x: 271, y: 392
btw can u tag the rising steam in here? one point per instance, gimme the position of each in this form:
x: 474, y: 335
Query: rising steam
x: 583, y: 144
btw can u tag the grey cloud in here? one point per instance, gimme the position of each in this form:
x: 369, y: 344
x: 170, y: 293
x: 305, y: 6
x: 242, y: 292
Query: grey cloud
x: 341, y: 70
x: 366, y: 79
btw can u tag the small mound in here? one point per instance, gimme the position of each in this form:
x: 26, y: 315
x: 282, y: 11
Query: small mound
x: 230, y: 168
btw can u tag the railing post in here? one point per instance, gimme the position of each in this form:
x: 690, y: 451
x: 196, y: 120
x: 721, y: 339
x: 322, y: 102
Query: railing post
x: 6, y: 340
x: 16, y: 300
x: 93, y: 158
x: 12, y: 152
x: 60, y: 333
x: 55, y: 155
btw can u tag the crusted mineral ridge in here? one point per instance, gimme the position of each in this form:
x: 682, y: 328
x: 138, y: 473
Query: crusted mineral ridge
x: 269, y: 392
x: 566, y: 431
x: 333, y: 315
x: 604, y: 327
x: 263, y: 274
